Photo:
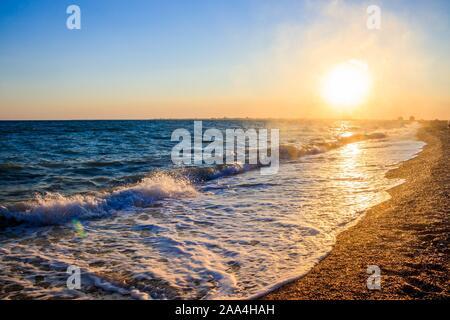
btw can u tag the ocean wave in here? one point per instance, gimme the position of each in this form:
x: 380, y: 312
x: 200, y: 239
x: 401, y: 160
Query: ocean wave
x: 10, y: 166
x: 200, y: 174
x: 54, y: 208
x: 287, y: 152
x: 292, y: 152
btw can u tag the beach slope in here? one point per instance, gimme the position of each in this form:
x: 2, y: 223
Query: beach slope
x: 407, y: 237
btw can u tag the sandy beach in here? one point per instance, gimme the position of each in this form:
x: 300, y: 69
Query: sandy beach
x: 406, y: 236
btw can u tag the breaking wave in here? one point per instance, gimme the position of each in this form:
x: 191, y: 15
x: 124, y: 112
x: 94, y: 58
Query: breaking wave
x: 54, y: 208
x: 292, y: 152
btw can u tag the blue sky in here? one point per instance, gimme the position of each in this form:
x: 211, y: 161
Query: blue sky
x: 156, y: 50
x: 143, y: 35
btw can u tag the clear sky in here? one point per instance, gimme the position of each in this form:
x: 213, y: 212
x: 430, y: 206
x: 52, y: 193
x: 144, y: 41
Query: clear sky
x: 218, y: 58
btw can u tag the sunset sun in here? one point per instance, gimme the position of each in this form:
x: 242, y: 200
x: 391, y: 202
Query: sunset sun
x: 347, y: 85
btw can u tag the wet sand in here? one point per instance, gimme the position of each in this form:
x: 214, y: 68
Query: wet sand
x: 407, y: 237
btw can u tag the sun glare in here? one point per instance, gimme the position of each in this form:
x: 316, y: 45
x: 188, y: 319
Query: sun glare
x: 347, y: 85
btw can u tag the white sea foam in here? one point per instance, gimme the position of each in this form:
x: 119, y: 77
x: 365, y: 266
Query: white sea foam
x: 54, y: 208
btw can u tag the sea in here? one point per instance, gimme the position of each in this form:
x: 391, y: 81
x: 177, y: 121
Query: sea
x: 98, y: 209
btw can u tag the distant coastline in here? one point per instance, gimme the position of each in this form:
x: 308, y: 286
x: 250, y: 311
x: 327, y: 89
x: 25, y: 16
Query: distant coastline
x: 218, y: 119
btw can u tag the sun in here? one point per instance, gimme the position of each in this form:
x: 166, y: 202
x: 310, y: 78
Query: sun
x: 347, y: 85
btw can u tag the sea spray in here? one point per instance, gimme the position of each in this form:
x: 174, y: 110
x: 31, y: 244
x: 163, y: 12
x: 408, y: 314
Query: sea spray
x: 54, y: 208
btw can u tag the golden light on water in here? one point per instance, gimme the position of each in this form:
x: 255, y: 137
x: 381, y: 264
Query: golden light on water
x: 347, y: 85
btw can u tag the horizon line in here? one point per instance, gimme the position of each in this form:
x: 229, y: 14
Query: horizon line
x: 223, y: 118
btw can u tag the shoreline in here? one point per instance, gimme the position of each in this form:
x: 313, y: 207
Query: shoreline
x: 407, y: 236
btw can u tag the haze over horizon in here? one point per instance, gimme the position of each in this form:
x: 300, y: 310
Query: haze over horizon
x: 235, y: 59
